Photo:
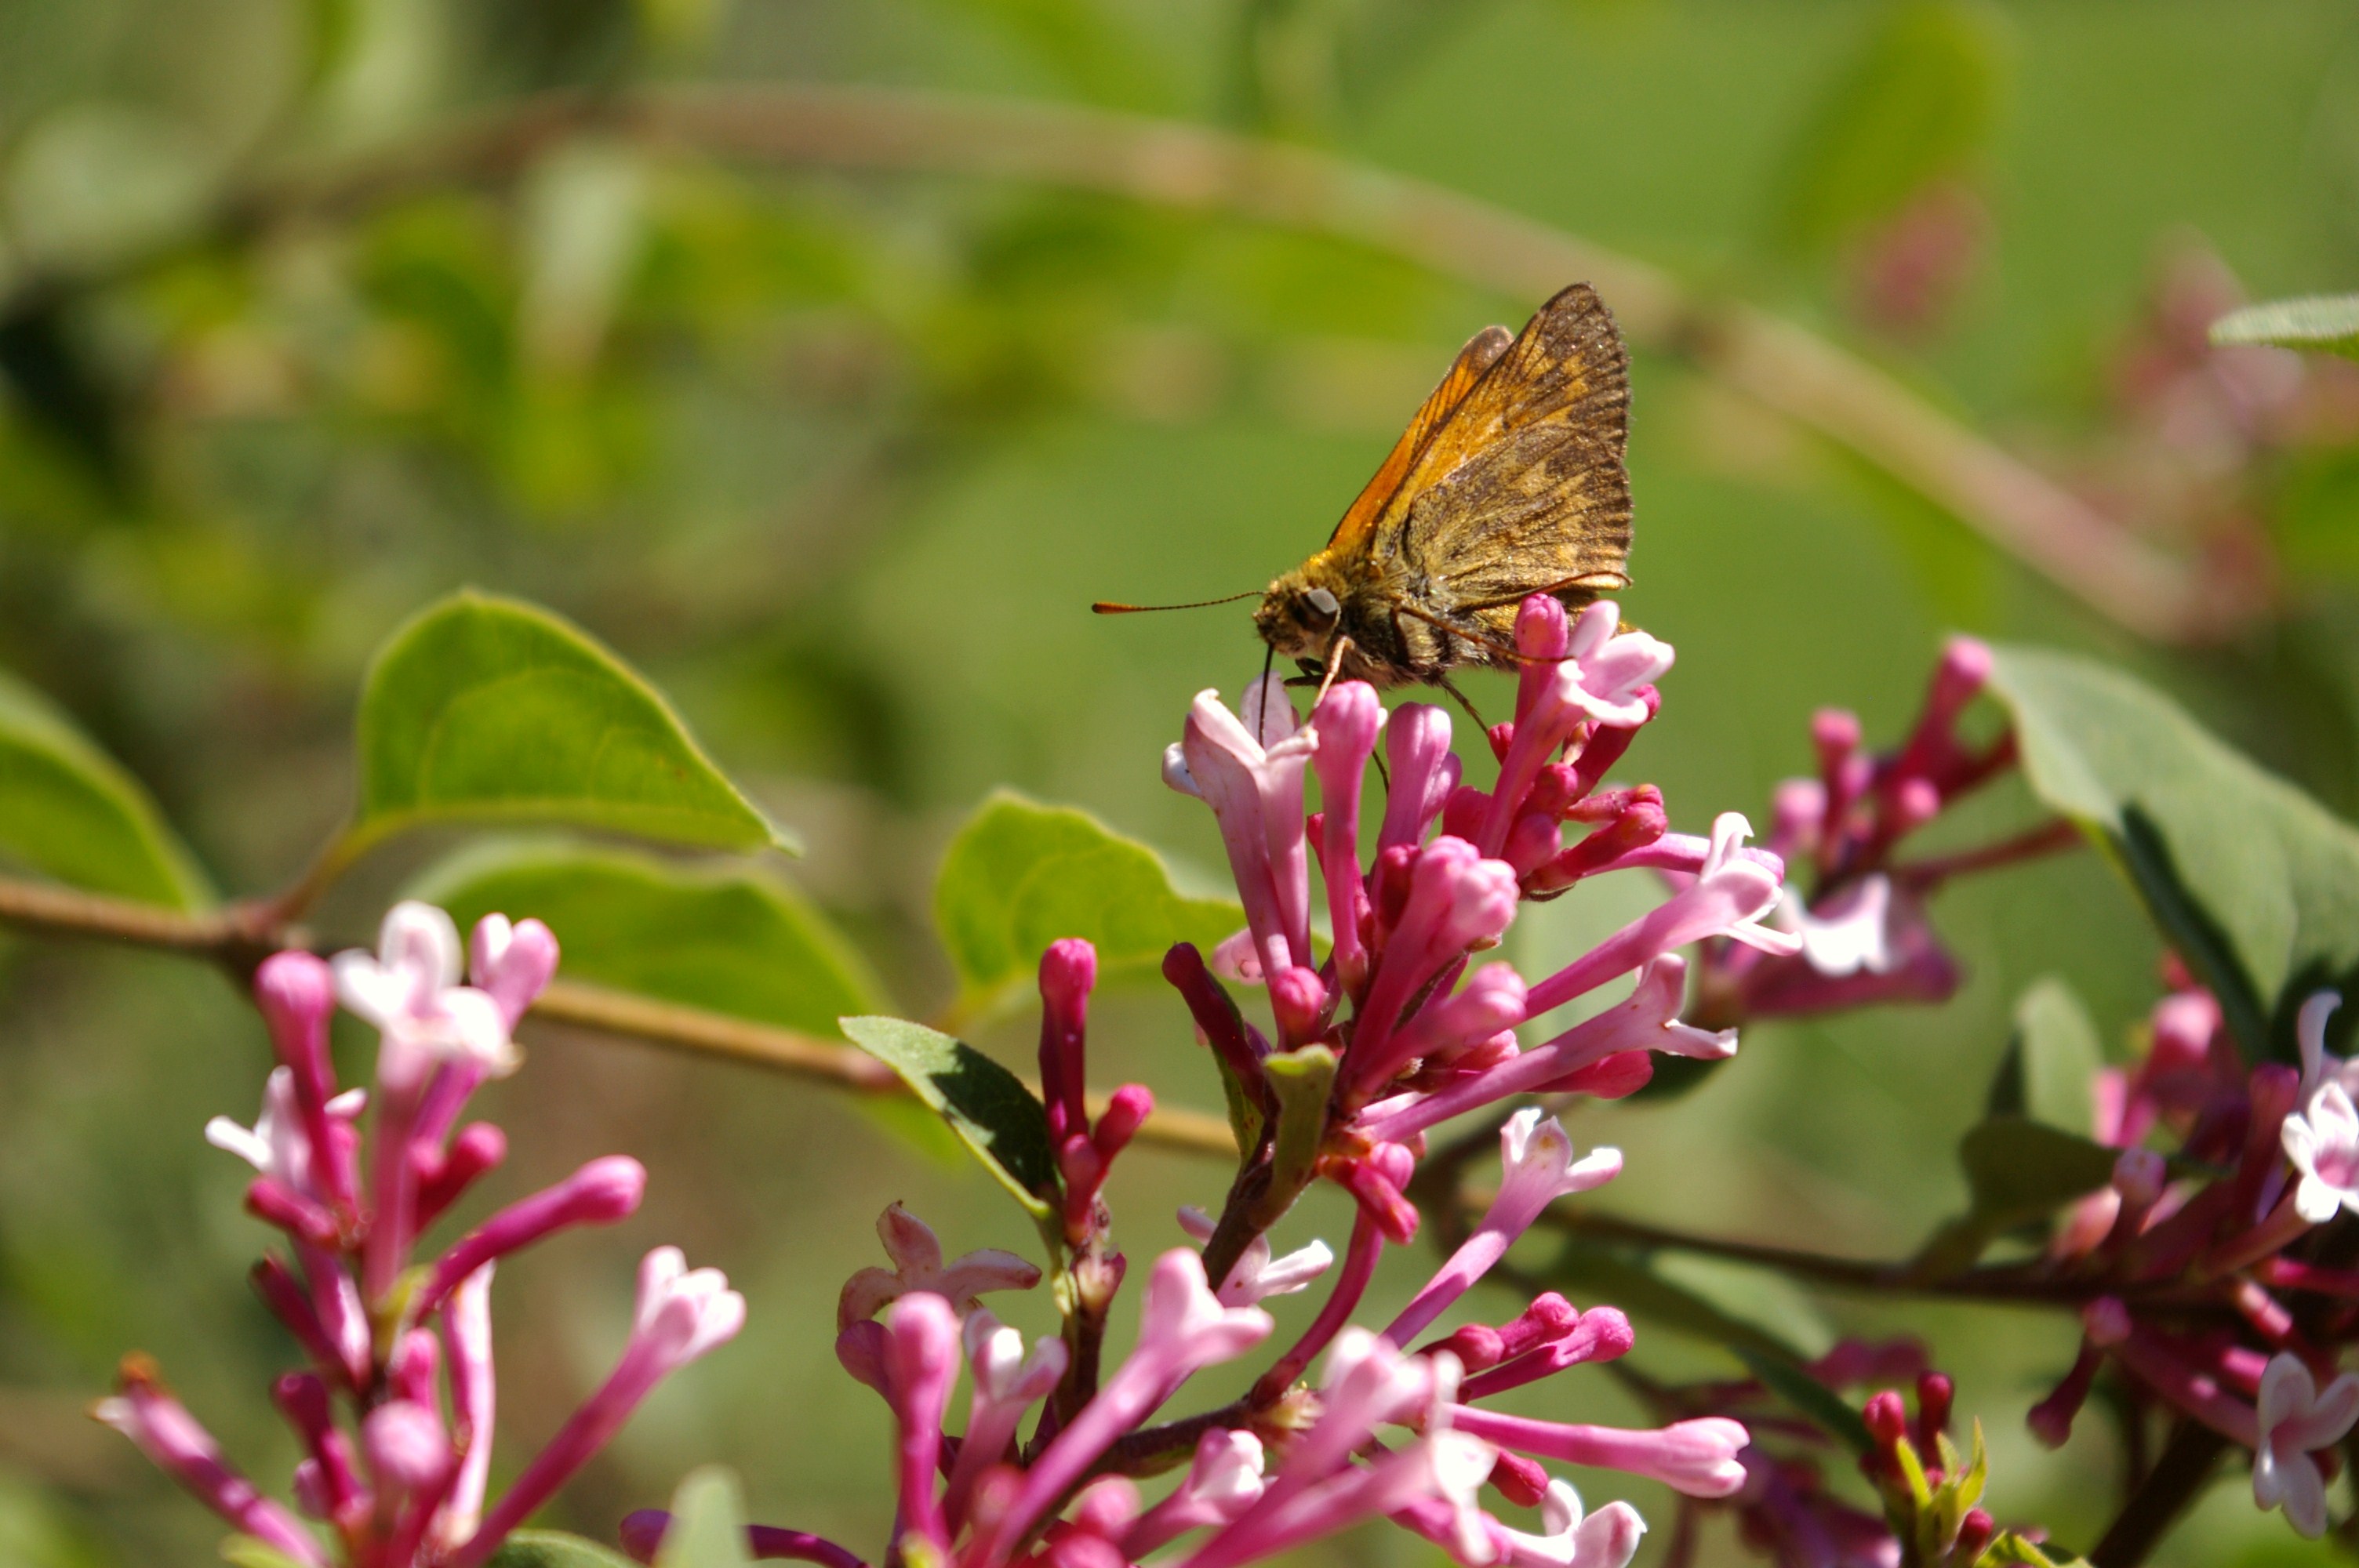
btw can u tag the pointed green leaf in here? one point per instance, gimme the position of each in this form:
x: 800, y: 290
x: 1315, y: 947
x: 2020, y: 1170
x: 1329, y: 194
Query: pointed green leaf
x: 555, y: 1549
x: 2255, y: 884
x: 707, y: 1524
x: 987, y: 1106
x: 1021, y: 875
x: 2322, y: 323
x: 2051, y: 1061
x: 68, y: 810
x: 484, y: 709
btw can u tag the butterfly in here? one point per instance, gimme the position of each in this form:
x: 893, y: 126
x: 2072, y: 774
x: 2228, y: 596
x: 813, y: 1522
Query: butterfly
x: 1509, y: 482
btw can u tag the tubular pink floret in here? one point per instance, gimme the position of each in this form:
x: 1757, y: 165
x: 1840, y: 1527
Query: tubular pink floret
x: 601, y: 1192
x: 921, y: 1344
x: 1603, y: 1334
x: 511, y: 963
x: 443, y: 1179
x: 1697, y: 1457
x: 1424, y: 773
x: 1347, y: 722
x: 144, y: 1411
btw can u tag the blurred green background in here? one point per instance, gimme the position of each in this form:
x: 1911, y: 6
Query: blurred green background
x: 839, y: 459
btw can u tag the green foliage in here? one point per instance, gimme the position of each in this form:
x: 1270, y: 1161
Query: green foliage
x: 555, y: 1549
x: 488, y: 708
x: 987, y: 1106
x: 2050, y: 1059
x: 2320, y: 323
x: 1021, y: 875
x: 708, y: 1523
x: 68, y: 810
x: 245, y: 1552
x: 2253, y: 883
x: 1917, y: 104
x: 731, y: 939
x: 2016, y: 1170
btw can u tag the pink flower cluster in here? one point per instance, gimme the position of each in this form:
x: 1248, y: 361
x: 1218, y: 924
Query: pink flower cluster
x: 2202, y: 1280
x: 1866, y: 937
x: 395, y: 1339
x: 1365, y: 1048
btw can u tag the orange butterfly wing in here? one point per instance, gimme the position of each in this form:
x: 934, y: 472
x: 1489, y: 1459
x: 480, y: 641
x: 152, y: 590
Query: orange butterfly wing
x: 1481, y: 352
x: 1521, y: 488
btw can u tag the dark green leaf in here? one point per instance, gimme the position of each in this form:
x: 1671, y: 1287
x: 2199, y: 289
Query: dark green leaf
x: 1021, y: 875
x: 1916, y: 103
x: 2322, y: 323
x: 707, y: 1524
x: 2051, y: 1060
x: 1811, y: 1397
x: 2254, y: 883
x: 555, y: 1549
x: 486, y: 708
x: 69, y: 811
x: 987, y: 1106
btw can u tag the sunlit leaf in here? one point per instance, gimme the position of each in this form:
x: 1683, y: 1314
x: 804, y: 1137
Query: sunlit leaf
x: 1919, y: 101
x: 2322, y: 323
x: 708, y: 1523
x: 555, y: 1549
x: 987, y: 1106
x: 2255, y: 884
x: 731, y: 939
x: 1021, y: 875
x: 487, y: 708
x: 69, y: 811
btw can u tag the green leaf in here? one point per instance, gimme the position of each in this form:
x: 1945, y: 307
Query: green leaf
x: 555, y: 1549
x: 484, y: 709
x: 707, y: 1524
x: 69, y: 811
x: 2051, y: 1060
x: 1811, y: 1398
x: 729, y: 938
x: 1021, y: 875
x: 2018, y: 1170
x: 987, y: 1106
x: 1915, y: 105
x: 2322, y: 323
x: 1302, y: 1081
x: 2255, y: 884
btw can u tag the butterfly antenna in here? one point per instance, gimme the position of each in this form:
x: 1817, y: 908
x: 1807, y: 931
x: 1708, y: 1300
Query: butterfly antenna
x: 1111, y: 606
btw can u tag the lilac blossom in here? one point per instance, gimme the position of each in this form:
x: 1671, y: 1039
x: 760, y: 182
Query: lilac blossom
x: 396, y: 1337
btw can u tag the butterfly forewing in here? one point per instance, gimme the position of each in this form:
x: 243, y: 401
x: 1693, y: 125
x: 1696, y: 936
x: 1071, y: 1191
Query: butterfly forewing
x: 1522, y: 489
x: 1481, y: 350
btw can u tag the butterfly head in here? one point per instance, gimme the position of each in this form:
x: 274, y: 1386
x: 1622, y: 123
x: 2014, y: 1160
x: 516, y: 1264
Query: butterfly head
x: 1297, y: 617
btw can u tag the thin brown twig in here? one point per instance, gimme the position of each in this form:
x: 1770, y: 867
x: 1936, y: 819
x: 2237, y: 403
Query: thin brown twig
x: 233, y: 939
x: 1824, y: 389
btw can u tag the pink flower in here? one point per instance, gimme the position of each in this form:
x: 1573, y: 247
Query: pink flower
x: 1567, y: 1539
x: 275, y: 1145
x: 1251, y: 778
x: 145, y: 1413
x: 917, y: 1255
x: 2297, y: 1420
x: 1224, y: 1480
x: 511, y: 963
x: 602, y: 1191
x: 1007, y: 1383
x: 1257, y: 1275
x: 1537, y: 1168
x: 2323, y: 1144
x: 1697, y: 1457
x: 409, y: 989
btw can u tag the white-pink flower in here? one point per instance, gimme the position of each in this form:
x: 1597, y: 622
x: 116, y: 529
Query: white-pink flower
x: 409, y: 989
x: 917, y: 1255
x: 2323, y: 1144
x: 275, y: 1145
x: 2297, y: 1420
x: 1567, y: 1539
x: 1258, y: 1275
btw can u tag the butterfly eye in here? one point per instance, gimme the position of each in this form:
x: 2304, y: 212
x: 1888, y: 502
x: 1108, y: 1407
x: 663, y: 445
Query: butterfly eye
x: 1323, y: 603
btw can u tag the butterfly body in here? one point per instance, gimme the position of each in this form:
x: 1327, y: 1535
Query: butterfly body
x: 1509, y: 482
